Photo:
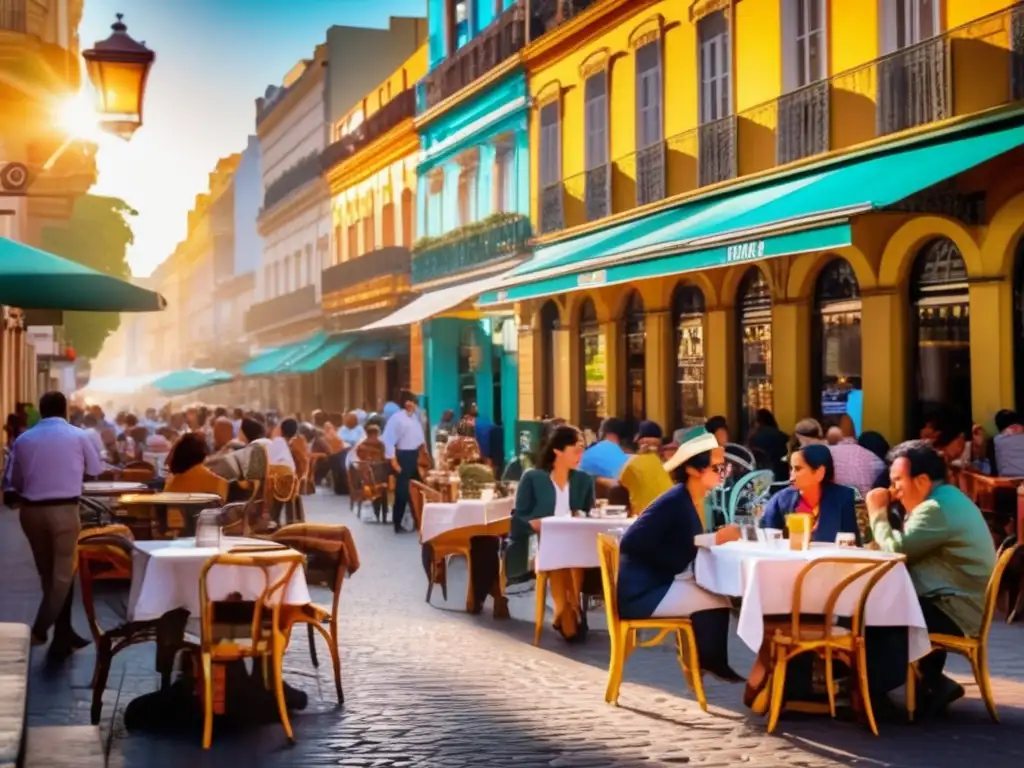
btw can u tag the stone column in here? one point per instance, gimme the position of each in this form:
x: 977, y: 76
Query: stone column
x: 720, y: 378
x: 992, y: 329
x: 659, y: 364
x: 791, y: 361
x: 885, y: 362
x: 567, y: 377
x: 530, y: 371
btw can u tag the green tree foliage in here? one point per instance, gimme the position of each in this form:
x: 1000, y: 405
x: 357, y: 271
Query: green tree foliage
x: 97, y: 235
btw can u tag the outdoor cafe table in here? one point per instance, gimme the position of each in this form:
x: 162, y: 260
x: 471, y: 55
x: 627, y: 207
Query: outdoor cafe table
x: 442, y: 517
x: 101, y: 489
x: 170, y: 505
x: 571, y: 542
x: 764, y: 575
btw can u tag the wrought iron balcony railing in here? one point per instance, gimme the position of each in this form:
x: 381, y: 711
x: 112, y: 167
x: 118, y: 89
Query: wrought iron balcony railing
x: 393, y: 260
x: 802, y: 123
x: 546, y: 15
x: 650, y: 174
x: 717, y: 151
x: 300, y: 174
x: 495, y: 239
x: 280, y: 309
x: 598, y: 192
x: 391, y: 114
x: 914, y: 87
x: 552, y: 208
x: 502, y: 39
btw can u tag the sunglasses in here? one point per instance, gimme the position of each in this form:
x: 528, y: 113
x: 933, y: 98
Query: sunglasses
x: 719, y: 468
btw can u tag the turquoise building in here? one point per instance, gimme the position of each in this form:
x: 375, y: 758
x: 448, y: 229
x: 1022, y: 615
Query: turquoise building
x: 473, y: 210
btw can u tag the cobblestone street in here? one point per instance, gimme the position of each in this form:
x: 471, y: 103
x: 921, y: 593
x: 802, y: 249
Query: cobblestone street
x: 429, y: 686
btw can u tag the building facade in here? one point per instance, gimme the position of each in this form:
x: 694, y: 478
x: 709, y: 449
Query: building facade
x: 804, y: 206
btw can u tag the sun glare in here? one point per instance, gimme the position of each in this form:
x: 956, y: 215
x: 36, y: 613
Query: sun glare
x: 78, y: 117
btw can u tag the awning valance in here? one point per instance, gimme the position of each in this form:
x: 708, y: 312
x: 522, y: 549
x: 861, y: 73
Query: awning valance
x: 318, y: 357
x: 189, y: 380
x: 436, y: 302
x: 272, y: 361
x: 34, y: 279
x: 789, y: 215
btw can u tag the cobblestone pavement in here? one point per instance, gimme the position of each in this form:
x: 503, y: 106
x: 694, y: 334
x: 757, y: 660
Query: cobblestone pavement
x: 431, y: 686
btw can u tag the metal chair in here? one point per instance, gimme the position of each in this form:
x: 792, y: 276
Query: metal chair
x: 752, y: 490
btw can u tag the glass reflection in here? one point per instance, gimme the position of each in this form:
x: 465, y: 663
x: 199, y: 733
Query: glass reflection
x: 755, y: 308
x: 688, y: 311
x: 593, y: 362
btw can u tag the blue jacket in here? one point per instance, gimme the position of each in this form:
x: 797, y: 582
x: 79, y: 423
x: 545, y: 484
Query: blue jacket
x: 837, y: 512
x: 657, y: 547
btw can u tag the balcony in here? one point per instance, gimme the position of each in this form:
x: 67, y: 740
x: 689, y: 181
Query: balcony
x: 597, y: 184
x: 803, y: 123
x: 914, y: 87
x: 501, y: 40
x: 716, y: 152
x: 299, y: 175
x: 379, y: 263
x: 400, y: 108
x: 650, y: 174
x: 552, y: 208
x: 495, y: 239
x: 546, y: 15
x: 281, y: 309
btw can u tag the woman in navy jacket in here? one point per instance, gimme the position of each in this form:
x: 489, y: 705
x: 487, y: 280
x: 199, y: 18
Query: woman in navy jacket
x: 657, y: 551
x: 814, y: 492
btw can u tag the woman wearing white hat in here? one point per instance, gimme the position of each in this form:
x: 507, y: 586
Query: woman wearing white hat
x: 658, y: 549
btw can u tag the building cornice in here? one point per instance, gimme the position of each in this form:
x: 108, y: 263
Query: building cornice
x: 291, y: 98
x: 557, y: 42
x: 399, y: 143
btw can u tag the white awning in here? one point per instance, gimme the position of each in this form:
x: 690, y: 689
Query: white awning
x: 434, y: 303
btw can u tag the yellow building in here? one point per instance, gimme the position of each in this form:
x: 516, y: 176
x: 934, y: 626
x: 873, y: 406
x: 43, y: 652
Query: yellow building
x: 809, y: 206
x: 371, y: 170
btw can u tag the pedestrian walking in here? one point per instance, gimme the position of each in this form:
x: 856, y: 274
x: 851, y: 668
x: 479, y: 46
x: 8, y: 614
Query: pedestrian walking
x: 403, y: 440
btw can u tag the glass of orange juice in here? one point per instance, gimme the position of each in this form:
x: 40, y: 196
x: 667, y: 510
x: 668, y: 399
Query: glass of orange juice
x: 799, y: 531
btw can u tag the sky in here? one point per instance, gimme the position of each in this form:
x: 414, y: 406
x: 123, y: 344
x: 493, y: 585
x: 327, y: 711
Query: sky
x: 213, y: 59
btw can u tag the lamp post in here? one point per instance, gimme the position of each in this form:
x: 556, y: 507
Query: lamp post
x: 118, y: 68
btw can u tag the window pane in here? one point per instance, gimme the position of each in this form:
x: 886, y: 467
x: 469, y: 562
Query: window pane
x: 815, y: 70
x: 801, y: 16
x: 815, y: 22
x: 926, y: 24
x: 801, y: 61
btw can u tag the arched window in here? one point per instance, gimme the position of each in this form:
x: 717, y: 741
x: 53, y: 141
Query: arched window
x: 836, y: 340
x: 633, y: 327
x: 754, y: 308
x: 548, y: 326
x: 941, y: 329
x: 593, y: 369
x: 688, y: 323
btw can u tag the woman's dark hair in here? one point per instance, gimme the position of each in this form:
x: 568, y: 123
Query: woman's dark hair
x: 560, y: 438
x: 189, y: 451
x: 252, y: 430
x: 716, y: 423
x: 764, y: 418
x: 818, y: 456
x: 875, y: 443
x: 698, y: 463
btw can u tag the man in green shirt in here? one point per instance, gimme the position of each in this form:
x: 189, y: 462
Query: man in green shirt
x: 949, y: 554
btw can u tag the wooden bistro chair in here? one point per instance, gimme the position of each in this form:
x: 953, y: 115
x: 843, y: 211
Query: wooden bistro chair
x: 368, y: 481
x: 307, y: 484
x: 138, y: 472
x: 330, y: 556
x: 974, y: 649
x: 623, y: 632
x: 105, y: 555
x: 282, y: 489
x: 807, y: 635
x: 264, y: 638
x: 444, y: 546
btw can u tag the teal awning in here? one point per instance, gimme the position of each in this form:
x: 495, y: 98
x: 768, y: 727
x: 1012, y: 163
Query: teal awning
x: 273, y: 361
x: 317, y: 358
x: 190, y: 379
x: 34, y: 279
x: 807, y: 212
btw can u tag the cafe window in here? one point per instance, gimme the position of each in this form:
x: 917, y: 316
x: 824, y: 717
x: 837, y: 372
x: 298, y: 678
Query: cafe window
x: 836, y: 337
x: 688, y: 323
x: 548, y: 326
x: 941, y: 328
x: 469, y: 362
x: 593, y: 369
x: 754, y: 306
x: 635, y: 333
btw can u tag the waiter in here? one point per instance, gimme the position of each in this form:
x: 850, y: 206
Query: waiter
x: 403, y: 438
x: 44, y: 476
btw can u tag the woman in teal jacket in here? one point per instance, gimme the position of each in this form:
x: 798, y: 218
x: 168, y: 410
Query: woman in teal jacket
x: 554, y: 488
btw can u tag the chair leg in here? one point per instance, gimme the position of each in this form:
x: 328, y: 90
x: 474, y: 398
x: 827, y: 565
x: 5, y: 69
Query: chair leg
x: 616, y: 664
x: 541, y: 608
x: 911, y: 691
x: 99, y: 682
x: 778, y: 690
x: 444, y: 580
x: 430, y: 578
x: 979, y: 664
x: 865, y: 690
x: 207, y: 700
x: 694, y: 661
x: 277, y: 646
x: 336, y: 658
x: 332, y: 646
x: 470, y: 592
x: 830, y: 683
x: 312, y: 646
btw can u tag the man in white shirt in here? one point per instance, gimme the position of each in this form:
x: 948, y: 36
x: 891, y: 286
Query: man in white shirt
x: 278, y: 451
x: 403, y: 438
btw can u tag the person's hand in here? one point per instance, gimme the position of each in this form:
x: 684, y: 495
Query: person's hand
x: 727, y: 533
x: 396, y: 466
x: 877, y: 502
x: 535, y: 524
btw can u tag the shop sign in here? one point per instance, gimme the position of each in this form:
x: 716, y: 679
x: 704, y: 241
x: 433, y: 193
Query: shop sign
x: 600, y: 277
x: 744, y: 252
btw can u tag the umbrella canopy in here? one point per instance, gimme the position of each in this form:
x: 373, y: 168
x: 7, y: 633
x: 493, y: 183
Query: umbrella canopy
x: 34, y: 279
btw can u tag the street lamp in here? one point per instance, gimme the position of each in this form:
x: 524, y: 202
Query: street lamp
x: 118, y: 68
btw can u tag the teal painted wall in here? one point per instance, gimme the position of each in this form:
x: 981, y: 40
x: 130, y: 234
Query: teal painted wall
x: 441, y: 366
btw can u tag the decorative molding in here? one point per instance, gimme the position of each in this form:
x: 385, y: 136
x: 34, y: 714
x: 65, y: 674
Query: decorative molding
x: 596, y: 62
x: 547, y: 93
x: 647, y: 31
x: 701, y: 8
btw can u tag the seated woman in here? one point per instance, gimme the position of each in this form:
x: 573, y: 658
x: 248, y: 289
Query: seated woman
x: 814, y: 492
x: 658, y: 550
x: 555, y: 488
x: 644, y: 477
x: 187, y: 471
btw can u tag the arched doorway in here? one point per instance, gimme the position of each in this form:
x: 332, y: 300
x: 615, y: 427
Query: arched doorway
x: 836, y: 343
x: 940, y: 332
x: 688, y: 325
x: 548, y: 326
x: 592, y: 369
x: 634, y: 331
x: 754, y: 308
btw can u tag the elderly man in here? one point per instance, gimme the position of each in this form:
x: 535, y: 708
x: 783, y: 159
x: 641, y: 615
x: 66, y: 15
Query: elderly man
x: 949, y: 555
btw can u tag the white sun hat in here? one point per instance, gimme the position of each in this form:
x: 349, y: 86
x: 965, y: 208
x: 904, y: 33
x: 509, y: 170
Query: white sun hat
x: 696, y: 440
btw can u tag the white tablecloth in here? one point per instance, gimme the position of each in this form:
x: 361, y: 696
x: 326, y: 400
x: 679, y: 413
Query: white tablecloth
x: 165, y: 577
x: 440, y: 517
x: 571, y: 542
x: 764, y: 576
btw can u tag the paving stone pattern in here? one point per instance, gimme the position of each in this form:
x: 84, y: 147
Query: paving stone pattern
x: 431, y: 686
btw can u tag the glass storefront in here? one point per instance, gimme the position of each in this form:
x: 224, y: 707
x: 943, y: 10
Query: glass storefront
x: 688, y: 322
x: 593, y: 362
x: 636, y: 353
x: 754, y: 305
x: 941, y: 327
x: 837, y: 342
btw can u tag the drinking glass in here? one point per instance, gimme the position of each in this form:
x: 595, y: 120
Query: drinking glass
x: 773, y: 537
x: 846, y: 540
x: 799, y: 526
x: 747, y: 526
